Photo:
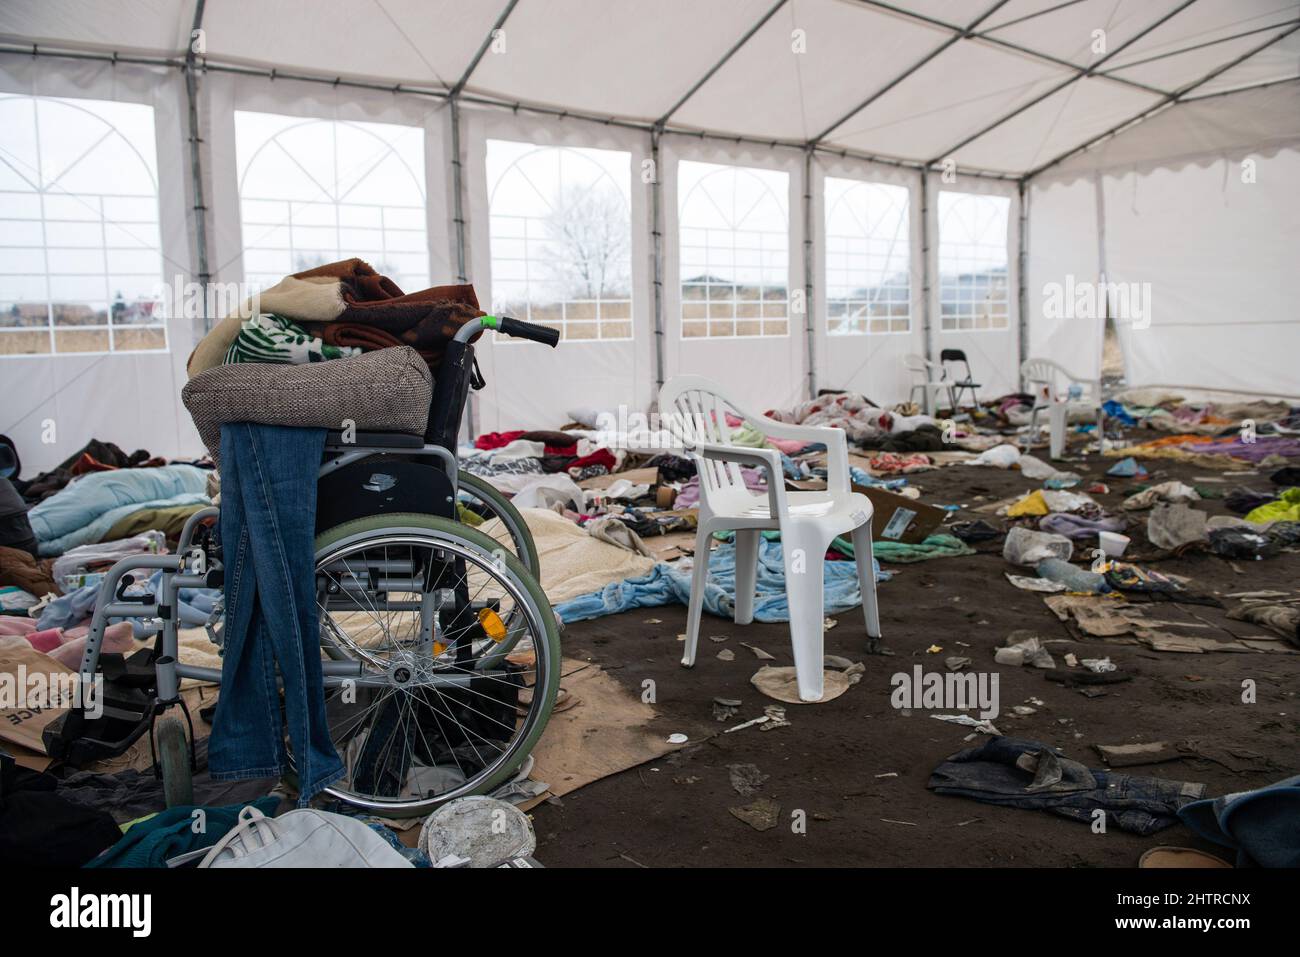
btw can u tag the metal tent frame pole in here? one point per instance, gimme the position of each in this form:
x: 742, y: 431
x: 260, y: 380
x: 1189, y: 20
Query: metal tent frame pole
x: 1022, y: 272
x: 809, y: 256
x: 657, y: 251
x: 200, y: 208
x: 458, y: 180
x: 925, y: 264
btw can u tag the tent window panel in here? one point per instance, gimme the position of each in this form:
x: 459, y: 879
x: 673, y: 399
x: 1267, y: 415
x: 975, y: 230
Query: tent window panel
x: 560, y: 235
x: 81, y: 264
x: 973, y: 262
x: 868, y: 258
x: 734, y: 249
x: 316, y: 191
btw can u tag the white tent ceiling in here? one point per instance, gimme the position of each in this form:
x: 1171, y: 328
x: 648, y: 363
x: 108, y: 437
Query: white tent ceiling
x: 1007, y: 86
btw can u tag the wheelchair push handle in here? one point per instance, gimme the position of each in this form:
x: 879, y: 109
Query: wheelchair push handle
x: 518, y: 329
x: 515, y: 328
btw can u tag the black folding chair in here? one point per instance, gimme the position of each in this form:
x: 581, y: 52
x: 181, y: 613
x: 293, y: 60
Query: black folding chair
x: 965, y: 384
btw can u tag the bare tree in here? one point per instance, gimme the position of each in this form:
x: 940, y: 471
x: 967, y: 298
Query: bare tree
x: 589, y: 242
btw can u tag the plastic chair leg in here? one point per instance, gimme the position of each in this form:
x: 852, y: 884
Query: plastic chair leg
x: 699, y: 579
x: 746, y: 573
x: 805, y: 556
x: 867, y: 578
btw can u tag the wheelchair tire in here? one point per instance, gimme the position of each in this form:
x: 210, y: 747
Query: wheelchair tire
x: 485, y: 492
x: 348, y: 543
x: 174, y: 758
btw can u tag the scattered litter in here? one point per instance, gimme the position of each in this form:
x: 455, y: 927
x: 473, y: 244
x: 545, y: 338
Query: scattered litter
x: 1024, y: 546
x: 956, y: 663
x: 1099, y: 666
x: 1025, y: 583
x: 718, y: 638
x: 999, y: 457
x: 1070, y: 577
x: 1127, y: 468
x: 726, y: 654
x: 1128, y: 755
x: 966, y: 721
x: 677, y: 738
x: 909, y: 823
x: 773, y: 716
x: 724, y: 712
x: 759, y: 653
x: 481, y: 829
x: 782, y: 684
x: 1168, y: 492
x: 888, y: 774
x: 1173, y: 526
x: 829, y: 623
x: 746, y: 779
x: 934, y: 649
x: 1023, y: 647
x: 761, y: 815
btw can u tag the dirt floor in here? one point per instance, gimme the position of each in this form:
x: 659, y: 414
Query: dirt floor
x: 834, y: 760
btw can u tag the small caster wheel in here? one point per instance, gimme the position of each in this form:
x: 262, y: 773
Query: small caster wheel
x: 174, y: 759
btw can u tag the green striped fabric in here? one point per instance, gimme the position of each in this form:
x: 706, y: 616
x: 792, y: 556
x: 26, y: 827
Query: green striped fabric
x: 272, y: 338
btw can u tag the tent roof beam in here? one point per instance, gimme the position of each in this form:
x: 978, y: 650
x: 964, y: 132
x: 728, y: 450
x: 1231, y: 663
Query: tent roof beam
x: 1172, y: 100
x: 1090, y: 71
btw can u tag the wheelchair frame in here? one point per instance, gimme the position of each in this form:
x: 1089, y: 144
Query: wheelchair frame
x: 191, y: 566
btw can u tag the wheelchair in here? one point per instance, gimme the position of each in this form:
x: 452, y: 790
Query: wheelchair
x: 440, y: 651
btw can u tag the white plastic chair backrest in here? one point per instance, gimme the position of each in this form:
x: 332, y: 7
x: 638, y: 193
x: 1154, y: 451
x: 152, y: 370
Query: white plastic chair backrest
x: 696, y: 413
x: 924, y: 368
x: 1042, y: 372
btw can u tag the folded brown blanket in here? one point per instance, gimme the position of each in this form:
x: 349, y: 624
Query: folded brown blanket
x: 377, y: 314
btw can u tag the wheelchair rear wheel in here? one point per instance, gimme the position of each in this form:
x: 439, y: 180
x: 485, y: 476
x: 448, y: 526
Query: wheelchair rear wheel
x: 449, y: 630
x: 488, y: 503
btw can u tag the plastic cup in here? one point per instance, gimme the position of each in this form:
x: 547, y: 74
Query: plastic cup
x: 1112, y: 543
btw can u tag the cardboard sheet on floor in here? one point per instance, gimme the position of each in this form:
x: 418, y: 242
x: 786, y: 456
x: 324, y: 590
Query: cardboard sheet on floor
x: 605, y: 734
x: 635, y: 476
x: 22, y: 726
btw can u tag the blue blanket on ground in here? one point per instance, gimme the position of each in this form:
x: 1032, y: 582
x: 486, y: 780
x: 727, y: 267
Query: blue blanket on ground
x: 87, y: 508
x: 664, y: 585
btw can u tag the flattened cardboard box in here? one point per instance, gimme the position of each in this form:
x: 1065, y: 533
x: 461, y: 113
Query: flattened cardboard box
x: 898, y: 518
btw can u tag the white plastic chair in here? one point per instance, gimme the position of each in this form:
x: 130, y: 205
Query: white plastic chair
x: 932, y: 380
x: 1043, y: 379
x: 808, y: 521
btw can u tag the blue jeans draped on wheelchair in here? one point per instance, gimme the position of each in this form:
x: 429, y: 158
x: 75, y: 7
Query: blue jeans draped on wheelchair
x: 268, y: 518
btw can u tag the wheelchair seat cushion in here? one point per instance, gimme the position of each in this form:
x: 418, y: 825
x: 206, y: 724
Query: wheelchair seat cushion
x: 388, y: 390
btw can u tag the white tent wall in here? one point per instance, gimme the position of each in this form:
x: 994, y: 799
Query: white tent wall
x: 52, y: 405
x: 761, y: 372
x: 1163, y: 200
x: 869, y: 363
x: 994, y: 354
x: 1220, y: 257
x: 1063, y: 255
x: 531, y: 386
